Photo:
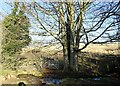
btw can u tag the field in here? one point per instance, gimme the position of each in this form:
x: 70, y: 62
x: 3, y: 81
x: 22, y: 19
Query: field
x: 93, y: 51
x: 56, y: 50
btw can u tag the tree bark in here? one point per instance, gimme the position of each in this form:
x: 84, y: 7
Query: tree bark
x: 65, y: 55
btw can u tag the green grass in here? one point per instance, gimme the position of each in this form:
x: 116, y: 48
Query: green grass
x: 5, y: 72
x: 11, y: 72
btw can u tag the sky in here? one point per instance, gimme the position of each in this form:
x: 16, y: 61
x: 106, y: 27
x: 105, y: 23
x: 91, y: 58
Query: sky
x: 6, y: 9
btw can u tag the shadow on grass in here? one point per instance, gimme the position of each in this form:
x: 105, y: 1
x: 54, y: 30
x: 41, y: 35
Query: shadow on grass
x: 99, y: 64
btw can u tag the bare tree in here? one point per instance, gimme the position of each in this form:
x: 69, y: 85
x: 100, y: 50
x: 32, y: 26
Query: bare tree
x: 73, y: 22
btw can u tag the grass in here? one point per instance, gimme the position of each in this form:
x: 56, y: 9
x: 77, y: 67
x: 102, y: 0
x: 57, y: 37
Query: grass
x: 5, y: 72
x: 92, y: 51
x: 11, y: 72
x: 102, y: 81
x: 111, y: 48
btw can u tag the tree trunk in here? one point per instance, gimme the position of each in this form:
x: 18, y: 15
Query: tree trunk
x: 65, y: 55
x: 70, y: 57
x: 76, y: 61
x: 70, y: 64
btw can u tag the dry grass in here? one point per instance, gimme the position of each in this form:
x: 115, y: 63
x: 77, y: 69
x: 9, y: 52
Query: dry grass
x: 103, y: 49
x: 52, y: 51
x: 56, y: 51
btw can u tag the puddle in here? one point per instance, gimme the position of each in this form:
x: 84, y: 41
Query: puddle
x: 52, y: 81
